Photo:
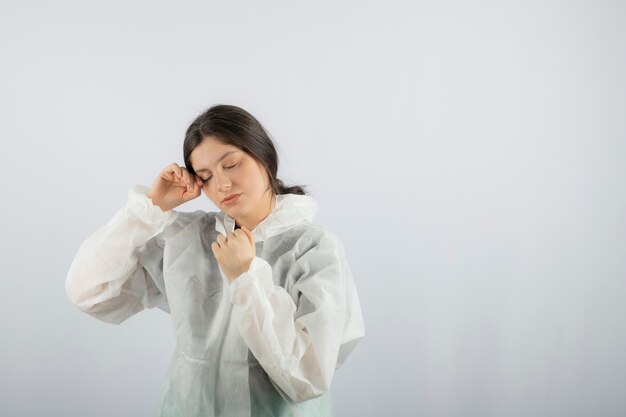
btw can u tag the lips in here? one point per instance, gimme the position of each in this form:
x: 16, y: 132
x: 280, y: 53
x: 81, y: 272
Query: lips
x: 230, y: 197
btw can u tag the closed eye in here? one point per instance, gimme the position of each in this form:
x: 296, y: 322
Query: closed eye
x: 209, y: 177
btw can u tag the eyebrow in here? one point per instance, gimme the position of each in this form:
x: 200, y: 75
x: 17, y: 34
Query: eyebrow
x: 221, y: 157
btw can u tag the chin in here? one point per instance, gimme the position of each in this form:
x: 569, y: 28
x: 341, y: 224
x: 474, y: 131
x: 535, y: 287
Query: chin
x: 231, y: 211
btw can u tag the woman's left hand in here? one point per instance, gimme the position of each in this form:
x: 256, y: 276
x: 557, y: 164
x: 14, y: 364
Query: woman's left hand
x: 234, y: 252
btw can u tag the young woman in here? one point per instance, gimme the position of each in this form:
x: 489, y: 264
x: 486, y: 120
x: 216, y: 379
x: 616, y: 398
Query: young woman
x: 263, y: 302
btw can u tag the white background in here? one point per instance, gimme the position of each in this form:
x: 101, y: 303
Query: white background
x: 470, y: 155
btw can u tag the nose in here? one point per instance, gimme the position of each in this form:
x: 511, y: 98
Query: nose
x: 223, y: 183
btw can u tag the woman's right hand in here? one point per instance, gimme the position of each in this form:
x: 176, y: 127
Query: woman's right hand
x: 173, y: 187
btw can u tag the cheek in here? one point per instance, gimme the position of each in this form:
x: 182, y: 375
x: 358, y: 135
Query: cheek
x: 208, y: 192
x: 256, y: 182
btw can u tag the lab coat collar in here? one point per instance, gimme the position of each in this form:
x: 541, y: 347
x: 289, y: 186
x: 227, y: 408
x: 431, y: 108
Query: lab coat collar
x: 289, y: 210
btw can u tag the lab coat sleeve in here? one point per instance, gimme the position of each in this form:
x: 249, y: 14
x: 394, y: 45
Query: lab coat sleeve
x: 300, y: 343
x: 111, y: 276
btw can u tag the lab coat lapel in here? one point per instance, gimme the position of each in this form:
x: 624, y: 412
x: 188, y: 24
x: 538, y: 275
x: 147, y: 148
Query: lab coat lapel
x: 290, y: 209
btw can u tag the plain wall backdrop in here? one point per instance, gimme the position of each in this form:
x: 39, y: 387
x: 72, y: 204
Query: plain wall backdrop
x: 471, y: 155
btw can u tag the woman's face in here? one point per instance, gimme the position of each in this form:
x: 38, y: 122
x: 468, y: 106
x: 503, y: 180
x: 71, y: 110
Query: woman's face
x: 227, y: 170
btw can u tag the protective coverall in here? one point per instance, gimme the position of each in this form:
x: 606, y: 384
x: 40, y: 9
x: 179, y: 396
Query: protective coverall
x: 266, y: 344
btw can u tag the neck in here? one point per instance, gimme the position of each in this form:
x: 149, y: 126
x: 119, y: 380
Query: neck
x: 250, y: 222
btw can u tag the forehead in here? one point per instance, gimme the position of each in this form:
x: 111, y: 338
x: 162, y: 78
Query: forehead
x: 210, y: 152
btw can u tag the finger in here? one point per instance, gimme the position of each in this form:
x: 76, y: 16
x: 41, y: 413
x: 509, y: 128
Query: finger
x: 176, y: 177
x: 221, y: 240
x: 168, y: 173
x: 171, y: 167
x: 248, y: 233
x: 193, y: 189
x: 229, y: 237
x: 239, y: 237
x: 190, y: 177
x: 187, y: 179
x: 240, y: 234
x: 196, y: 187
x: 193, y: 182
x: 215, y: 247
x: 174, y: 169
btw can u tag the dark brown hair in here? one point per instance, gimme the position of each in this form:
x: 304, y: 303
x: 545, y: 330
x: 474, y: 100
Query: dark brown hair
x: 233, y: 125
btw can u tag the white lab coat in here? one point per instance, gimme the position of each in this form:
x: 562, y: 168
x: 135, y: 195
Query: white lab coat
x: 266, y: 344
